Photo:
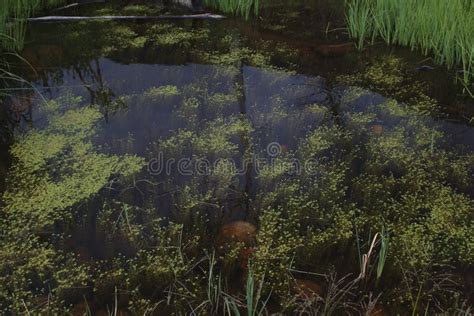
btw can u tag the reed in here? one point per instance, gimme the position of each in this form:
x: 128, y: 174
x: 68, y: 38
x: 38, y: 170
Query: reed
x: 12, y: 19
x: 239, y: 7
x: 440, y: 28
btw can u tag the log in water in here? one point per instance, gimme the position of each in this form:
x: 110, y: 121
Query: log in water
x: 126, y: 17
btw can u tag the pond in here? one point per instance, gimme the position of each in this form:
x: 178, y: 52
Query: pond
x: 182, y: 166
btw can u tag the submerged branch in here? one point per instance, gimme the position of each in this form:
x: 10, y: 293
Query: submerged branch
x: 121, y: 17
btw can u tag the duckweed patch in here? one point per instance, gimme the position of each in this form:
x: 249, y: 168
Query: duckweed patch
x: 236, y: 57
x: 169, y: 34
x: 391, y: 77
x: 162, y: 91
x: 58, y: 167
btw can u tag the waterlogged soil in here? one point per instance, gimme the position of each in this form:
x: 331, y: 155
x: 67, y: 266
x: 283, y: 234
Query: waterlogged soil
x: 139, y: 142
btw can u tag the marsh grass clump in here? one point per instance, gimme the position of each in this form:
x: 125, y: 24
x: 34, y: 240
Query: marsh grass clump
x: 412, y: 24
x: 12, y: 20
x: 240, y: 7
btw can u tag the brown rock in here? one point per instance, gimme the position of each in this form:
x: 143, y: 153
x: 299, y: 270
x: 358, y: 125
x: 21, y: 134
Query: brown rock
x: 377, y: 130
x: 236, y: 232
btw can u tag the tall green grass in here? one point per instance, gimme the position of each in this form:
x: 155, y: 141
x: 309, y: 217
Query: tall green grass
x: 240, y: 7
x: 441, y: 28
x: 12, y: 19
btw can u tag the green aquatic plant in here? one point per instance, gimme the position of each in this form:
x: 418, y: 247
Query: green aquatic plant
x: 117, y: 8
x: 57, y: 167
x: 36, y: 277
x: 215, y: 140
x: 170, y: 34
x: 161, y: 91
x: 189, y: 111
x: 359, y: 21
x: 219, y: 101
x: 99, y: 38
x: 370, y: 169
x: 119, y: 37
x: 12, y: 20
x: 238, y: 56
x: 390, y: 76
x: 413, y: 23
x: 240, y: 7
x: 277, y: 243
x: 255, y: 304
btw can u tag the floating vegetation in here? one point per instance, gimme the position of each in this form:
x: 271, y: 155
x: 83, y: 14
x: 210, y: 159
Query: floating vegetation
x: 58, y: 167
x: 117, y: 8
x: 163, y: 91
x: 169, y: 34
x: 237, y: 56
x: 389, y: 76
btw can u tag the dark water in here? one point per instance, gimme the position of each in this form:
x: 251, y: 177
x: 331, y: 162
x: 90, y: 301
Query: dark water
x: 274, y: 62
x: 267, y: 74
